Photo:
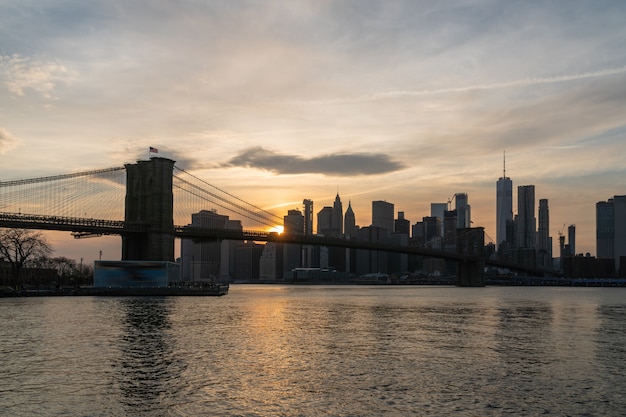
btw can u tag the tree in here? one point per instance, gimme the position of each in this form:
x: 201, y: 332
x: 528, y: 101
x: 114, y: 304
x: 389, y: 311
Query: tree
x: 19, y: 246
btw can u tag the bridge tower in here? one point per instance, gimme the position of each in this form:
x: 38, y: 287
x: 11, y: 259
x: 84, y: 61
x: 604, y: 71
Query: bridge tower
x: 470, y: 241
x: 150, y: 200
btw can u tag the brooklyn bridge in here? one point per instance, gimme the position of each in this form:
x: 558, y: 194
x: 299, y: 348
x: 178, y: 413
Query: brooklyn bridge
x: 149, y: 205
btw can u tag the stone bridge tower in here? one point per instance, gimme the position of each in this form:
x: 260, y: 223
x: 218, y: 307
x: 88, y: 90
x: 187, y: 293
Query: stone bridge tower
x: 150, y: 200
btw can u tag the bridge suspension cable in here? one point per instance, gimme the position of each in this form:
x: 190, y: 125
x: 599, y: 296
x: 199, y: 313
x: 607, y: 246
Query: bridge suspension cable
x: 195, y: 195
x: 89, y: 194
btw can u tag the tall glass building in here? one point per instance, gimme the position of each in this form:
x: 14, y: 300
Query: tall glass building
x: 526, y: 220
x: 504, y: 207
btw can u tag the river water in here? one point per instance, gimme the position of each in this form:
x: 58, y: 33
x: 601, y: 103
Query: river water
x: 318, y: 351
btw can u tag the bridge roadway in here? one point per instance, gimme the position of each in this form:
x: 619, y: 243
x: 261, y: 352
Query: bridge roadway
x: 83, y: 227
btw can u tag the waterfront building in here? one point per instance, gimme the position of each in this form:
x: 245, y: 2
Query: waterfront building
x: 372, y: 261
x: 271, y: 262
x: 293, y: 223
x: 382, y: 215
x: 611, y: 229
x: 605, y: 232
x: 248, y: 256
x: 209, y: 260
x: 526, y: 220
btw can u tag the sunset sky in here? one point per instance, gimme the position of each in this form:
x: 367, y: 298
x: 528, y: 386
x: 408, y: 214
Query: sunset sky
x: 278, y: 101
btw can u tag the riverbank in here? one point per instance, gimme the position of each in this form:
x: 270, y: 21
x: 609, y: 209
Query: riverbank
x: 203, y: 291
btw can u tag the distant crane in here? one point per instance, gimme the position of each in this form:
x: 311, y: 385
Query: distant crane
x: 562, y: 241
x: 450, y: 201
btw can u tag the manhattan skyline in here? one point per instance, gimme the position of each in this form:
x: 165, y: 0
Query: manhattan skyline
x: 408, y: 102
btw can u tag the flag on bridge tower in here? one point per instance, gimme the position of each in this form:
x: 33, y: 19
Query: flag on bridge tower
x: 153, y: 150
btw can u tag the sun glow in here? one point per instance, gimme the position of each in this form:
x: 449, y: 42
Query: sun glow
x: 277, y: 229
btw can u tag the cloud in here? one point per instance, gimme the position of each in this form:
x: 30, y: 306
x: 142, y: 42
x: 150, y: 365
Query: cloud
x: 21, y: 73
x: 337, y: 164
x: 7, y: 141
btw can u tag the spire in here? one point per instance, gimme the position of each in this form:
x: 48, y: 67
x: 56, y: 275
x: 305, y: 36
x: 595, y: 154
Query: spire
x: 504, y: 163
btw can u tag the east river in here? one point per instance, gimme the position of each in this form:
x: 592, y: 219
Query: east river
x: 318, y: 351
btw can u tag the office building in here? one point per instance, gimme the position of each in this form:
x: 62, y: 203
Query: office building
x: 209, y: 260
x: 611, y: 229
x: 382, y: 215
x: 293, y: 222
x: 437, y: 210
x: 292, y: 253
x: 330, y: 219
x: 526, y: 220
x: 544, y: 242
x: 402, y: 225
x: 325, y: 222
x: 308, y: 216
x: 350, y: 227
x: 504, y: 206
x: 571, y: 238
x: 463, y: 211
x: 307, y: 250
x: 337, y: 220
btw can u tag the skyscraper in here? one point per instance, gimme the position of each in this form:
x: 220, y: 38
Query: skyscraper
x: 571, y: 238
x: 611, y: 229
x: 308, y: 216
x: 544, y: 243
x: 504, y: 206
x: 337, y: 220
x: 382, y: 215
x: 350, y: 228
x: 325, y: 221
x: 437, y: 210
x: 463, y: 211
x: 526, y: 220
x: 330, y: 219
x: 293, y: 222
x: 402, y: 225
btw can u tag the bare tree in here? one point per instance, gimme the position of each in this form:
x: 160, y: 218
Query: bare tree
x: 19, y: 246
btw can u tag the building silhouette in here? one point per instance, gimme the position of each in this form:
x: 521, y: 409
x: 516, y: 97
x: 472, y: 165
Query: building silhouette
x: 293, y: 223
x: 337, y: 219
x: 382, y: 215
x: 611, y: 230
x: 308, y: 216
x: 571, y: 238
x: 402, y: 225
x: 350, y: 227
x: 330, y: 219
x: 209, y: 260
x: 504, y: 206
x: 463, y: 211
x: 544, y: 241
x: 438, y: 210
x: 526, y: 220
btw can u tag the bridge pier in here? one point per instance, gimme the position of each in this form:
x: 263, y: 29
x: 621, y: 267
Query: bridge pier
x: 470, y: 241
x: 150, y: 200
